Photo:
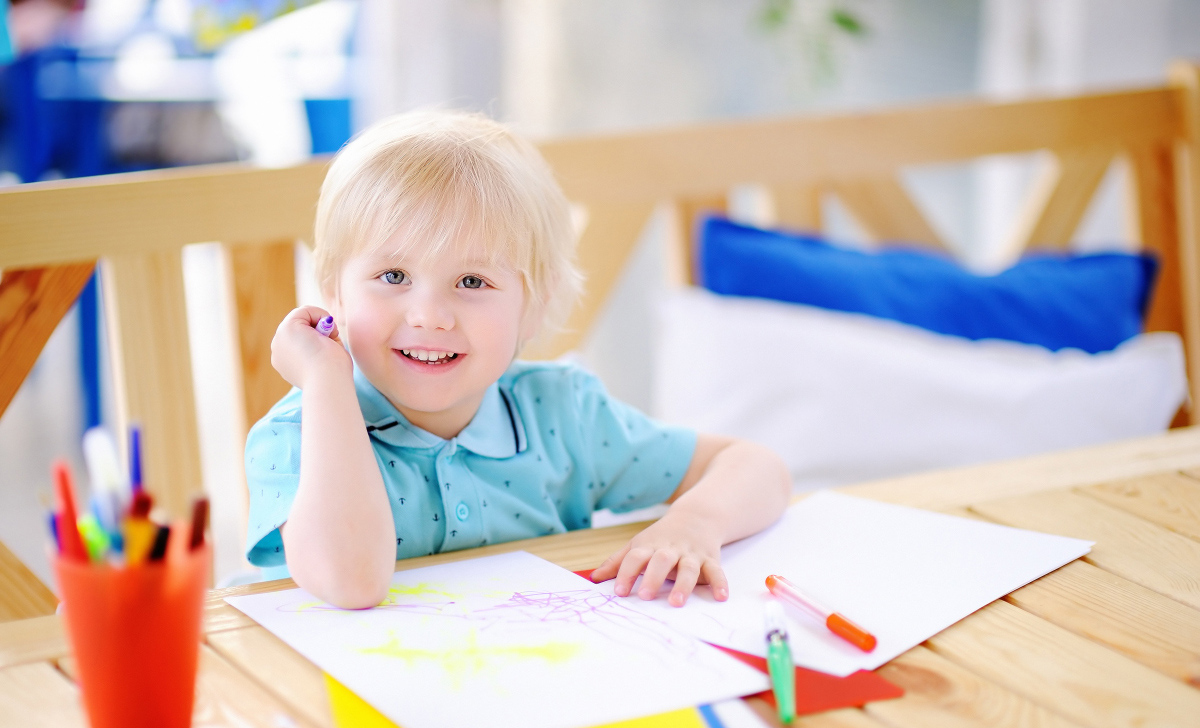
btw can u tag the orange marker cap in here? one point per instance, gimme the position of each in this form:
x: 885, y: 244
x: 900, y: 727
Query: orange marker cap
x: 851, y: 632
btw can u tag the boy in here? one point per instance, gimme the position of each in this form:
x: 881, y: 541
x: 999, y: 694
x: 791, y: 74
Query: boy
x: 443, y: 245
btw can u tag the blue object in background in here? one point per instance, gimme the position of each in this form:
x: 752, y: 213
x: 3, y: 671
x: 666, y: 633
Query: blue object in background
x: 328, y: 124
x: 1088, y: 302
x: 7, y: 52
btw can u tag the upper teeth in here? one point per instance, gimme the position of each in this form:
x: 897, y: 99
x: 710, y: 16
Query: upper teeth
x: 425, y: 355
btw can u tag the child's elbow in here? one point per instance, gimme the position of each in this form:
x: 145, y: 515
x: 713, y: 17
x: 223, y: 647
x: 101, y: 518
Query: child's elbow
x: 357, y: 596
x: 345, y: 590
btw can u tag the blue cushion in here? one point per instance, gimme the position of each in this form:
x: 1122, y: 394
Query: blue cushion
x: 1089, y: 302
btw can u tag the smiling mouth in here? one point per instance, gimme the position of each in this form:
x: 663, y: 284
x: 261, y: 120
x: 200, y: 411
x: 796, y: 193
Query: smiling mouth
x: 431, y: 358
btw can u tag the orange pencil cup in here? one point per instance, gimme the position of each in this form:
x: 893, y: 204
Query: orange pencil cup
x: 135, y: 634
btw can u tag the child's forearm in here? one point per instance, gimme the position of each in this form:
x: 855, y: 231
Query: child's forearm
x: 743, y: 490
x: 340, y: 537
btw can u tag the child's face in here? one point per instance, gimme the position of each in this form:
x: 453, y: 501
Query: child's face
x: 432, y: 335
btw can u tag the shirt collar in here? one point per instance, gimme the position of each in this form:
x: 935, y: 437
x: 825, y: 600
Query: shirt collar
x: 496, y: 430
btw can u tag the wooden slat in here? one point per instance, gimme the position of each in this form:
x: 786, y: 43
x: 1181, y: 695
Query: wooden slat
x: 22, y: 594
x: 152, y: 371
x: 1186, y: 78
x: 264, y: 287
x: 679, y: 162
x: 1168, y: 499
x: 1126, y: 545
x: 38, y: 695
x: 1141, y: 624
x: 611, y: 234
x: 797, y: 207
x: 31, y: 640
x: 1176, y: 450
x: 32, y: 302
x: 938, y: 692
x: 1058, y: 200
x: 685, y: 235
x: 885, y: 211
x: 1157, y: 228
x: 295, y: 681
x: 160, y: 210
x: 1064, y: 673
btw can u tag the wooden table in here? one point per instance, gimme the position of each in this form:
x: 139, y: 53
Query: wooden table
x: 1110, y: 640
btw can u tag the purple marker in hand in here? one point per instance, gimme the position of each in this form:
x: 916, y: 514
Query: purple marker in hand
x: 325, y: 326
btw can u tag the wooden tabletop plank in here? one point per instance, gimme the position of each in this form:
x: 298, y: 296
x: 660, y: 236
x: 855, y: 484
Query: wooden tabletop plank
x: 278, y: 668
x: 938, y: 692
x: 1175, y: 450
x: 31, y: 640
x: 1126, y: 545
x: 1139, y: 623
x: 1168, y: 499
x: 227, y: 697
x: 1067, y: 674
x: 35, y: 694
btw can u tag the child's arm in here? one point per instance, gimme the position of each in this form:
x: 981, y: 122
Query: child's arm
x: 340, y: 537
x: 732, y: 489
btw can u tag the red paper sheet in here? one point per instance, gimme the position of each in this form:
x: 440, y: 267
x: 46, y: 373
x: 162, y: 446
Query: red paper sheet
x: 818, y: 691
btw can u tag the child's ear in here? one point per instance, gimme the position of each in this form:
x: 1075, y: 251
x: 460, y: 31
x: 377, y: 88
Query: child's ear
x: 531, y: 322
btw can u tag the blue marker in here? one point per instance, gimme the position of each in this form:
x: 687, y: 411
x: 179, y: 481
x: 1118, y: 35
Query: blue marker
x: 325, y: 326
x: 135, y: 459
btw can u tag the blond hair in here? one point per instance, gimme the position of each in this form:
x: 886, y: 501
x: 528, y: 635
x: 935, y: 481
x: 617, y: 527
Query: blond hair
x: 445, y: 178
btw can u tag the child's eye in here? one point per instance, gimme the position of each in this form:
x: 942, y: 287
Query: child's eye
x: 471, y: 282
x: 395, y: 277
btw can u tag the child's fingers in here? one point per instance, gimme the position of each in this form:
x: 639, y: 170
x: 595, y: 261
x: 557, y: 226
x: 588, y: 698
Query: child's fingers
x: 309, y: 315
x: 656, y: 573
x: 631, y: 566
x: 715, y: 576
x: 608, y: 569
x: 685, y: 581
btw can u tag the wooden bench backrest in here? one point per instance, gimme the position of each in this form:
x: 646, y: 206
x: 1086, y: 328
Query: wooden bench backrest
x: 51, y: 234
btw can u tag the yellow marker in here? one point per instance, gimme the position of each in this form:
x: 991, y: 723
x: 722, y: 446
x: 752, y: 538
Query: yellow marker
x: 139, y: 538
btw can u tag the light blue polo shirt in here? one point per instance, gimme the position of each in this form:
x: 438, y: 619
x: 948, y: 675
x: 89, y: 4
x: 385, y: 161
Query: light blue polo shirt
x: 547, y: 447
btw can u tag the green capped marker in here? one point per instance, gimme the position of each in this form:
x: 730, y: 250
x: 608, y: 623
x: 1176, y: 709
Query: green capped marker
x: 779, y: 662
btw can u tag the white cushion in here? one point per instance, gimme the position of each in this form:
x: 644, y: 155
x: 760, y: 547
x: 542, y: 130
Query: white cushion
x: 846, y: 397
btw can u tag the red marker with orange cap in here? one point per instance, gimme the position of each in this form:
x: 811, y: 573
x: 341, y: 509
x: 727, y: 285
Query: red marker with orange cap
x: 839, y: 625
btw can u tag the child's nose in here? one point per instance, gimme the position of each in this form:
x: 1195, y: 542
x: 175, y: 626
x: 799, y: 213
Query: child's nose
x: 429, y: 311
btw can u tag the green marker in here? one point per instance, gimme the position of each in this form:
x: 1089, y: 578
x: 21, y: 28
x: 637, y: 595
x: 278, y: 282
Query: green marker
x: 779, y: 662
x: 94, y: 538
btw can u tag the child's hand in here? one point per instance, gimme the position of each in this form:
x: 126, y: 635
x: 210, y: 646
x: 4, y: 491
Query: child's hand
x: 678, y: 546
x: 298, y: 349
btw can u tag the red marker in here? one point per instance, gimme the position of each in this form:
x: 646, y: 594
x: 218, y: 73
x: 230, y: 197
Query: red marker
x: 70, y: 542
x: 839, y: 625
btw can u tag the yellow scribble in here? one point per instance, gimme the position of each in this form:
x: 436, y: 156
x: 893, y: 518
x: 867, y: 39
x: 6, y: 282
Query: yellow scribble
x: 472, y: 658
x: 397, y: 592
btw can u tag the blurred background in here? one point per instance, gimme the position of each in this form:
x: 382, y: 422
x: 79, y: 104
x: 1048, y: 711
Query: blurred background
x: 93, y: 87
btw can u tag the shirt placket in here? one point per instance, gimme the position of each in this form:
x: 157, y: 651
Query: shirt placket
x: 460, y: 500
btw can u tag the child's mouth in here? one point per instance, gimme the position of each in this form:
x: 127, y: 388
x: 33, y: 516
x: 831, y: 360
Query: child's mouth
x: 431, y: 358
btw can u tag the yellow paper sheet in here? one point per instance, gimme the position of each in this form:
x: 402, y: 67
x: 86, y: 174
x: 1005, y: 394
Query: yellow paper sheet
x: 351, y: 711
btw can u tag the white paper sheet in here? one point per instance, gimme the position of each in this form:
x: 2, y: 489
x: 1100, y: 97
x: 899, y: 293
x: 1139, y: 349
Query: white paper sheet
x: 507, y: 640
x: 901, y: 573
